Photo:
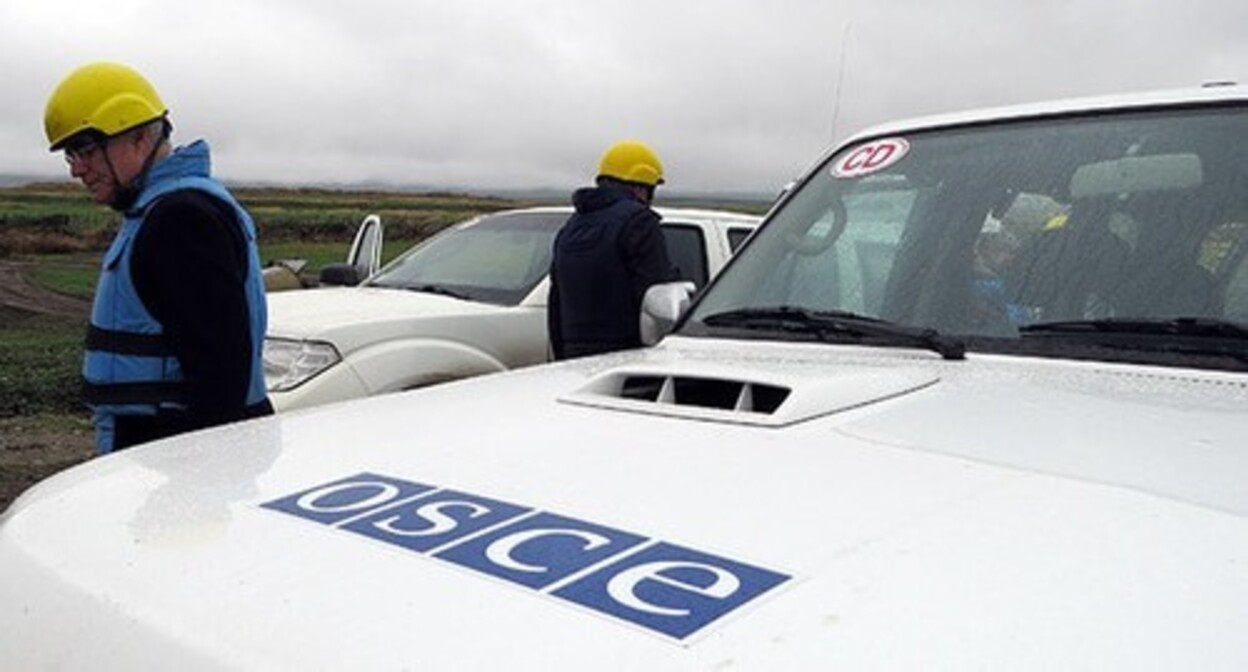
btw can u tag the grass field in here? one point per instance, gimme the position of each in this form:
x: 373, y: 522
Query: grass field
x: 58, y: 226
x: 75, y: 274
x: 39, y: 360
x: 43, y: 424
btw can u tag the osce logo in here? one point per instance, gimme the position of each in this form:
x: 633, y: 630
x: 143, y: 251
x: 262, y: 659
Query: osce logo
x: 670, y: 589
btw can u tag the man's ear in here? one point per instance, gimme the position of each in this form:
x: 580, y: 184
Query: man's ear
x: 131, y: 141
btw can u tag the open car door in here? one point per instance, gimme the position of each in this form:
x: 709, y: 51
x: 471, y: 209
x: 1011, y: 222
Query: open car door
x: 365, y: 254
x: 363, y: 259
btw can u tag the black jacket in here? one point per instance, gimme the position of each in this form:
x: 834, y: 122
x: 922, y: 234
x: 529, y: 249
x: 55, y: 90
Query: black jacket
x: 605, y: 257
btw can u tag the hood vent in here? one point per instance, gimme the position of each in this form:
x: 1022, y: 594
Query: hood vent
x: 722, y: 394
x: 727, y: 395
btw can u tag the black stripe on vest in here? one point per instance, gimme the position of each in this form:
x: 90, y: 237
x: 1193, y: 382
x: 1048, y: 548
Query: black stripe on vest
x: 118, y: 394
x: 127, y: 343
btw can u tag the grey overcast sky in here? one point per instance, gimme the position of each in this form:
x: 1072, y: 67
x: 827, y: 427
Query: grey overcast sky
x: 734, y: 95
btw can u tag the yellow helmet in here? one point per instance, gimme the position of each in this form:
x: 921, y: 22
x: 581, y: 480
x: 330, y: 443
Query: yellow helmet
x: 105, y: 97
x: 631, y: 161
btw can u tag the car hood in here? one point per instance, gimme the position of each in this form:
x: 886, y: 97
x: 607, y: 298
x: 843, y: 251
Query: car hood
x: 327, y: 313
x: 904, y: 512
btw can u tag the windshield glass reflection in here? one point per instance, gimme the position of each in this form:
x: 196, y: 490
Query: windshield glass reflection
x: 981, y: 231
x: 496, y: 259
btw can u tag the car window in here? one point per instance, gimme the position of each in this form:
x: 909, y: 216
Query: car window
x: 737, y: 236
x: 861, y: 255
x: 1225, y: 254
x: 982, y: 232
x: 686, y: 249
x: 495, y: 259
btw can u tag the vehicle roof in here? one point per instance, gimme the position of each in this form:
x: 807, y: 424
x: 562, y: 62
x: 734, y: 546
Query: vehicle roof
x: 705, y: 213
x: 666, y: 212
x: 1210, y: 94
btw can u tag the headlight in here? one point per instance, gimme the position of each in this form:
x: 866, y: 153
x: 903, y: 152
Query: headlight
x: 289, y: 364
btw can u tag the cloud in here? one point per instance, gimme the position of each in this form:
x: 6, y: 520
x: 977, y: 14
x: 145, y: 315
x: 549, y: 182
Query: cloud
x: 734, y: 95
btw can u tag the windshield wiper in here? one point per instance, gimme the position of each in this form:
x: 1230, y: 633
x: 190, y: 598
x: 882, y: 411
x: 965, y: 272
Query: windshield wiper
x: 1196, y: 335
x: 440, y: 290
x: 833, y: 325
x: 1200, y: 327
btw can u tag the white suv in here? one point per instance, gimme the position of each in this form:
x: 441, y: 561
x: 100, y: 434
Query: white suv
x: 974, y: 397
x: 468, y: 301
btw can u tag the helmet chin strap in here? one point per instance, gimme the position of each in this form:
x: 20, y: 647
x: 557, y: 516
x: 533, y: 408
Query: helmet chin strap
x: 124, y: 195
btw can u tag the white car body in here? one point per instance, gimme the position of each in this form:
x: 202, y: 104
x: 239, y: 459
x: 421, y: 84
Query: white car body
x: 744, y: 495
x: 390, y: 339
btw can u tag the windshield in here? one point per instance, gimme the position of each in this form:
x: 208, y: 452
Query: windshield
x: 1025, y: 237
x: 494, y: 259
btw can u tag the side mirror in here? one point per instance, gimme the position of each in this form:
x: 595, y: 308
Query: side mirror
x: 347, y: 275
x: 661, y: 307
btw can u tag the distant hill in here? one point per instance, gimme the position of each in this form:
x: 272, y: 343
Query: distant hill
x: 543, y: 194
x: 669, y: 197
x: 20, y: 180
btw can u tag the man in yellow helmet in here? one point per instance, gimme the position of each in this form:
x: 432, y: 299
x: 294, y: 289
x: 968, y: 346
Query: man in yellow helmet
x: 179, y: 317
x: 606, y: 256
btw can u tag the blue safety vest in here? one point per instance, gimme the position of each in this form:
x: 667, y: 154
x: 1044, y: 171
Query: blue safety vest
x: 129, y: 367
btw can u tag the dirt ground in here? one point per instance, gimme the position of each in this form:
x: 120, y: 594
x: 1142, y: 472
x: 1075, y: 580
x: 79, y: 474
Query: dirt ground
x: 32, y: 449
x: 17, y: 291
x: 28, y: 454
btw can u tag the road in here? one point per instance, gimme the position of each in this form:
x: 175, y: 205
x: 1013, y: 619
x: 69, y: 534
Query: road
x: 17, y: 291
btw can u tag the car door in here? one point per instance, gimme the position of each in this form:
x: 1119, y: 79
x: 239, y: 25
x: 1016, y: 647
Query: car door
x: 365, y: 254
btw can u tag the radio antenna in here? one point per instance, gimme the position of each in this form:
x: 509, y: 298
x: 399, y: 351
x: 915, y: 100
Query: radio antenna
x: 840, y: 79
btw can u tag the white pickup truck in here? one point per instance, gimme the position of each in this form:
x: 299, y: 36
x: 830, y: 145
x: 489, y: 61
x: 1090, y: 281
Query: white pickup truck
x: 468, y: 301
x: 973, y: 397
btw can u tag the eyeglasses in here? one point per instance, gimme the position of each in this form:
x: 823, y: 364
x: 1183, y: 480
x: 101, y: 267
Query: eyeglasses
x: 82, y: 150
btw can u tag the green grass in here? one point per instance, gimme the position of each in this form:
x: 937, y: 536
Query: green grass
x: 316, y: 254
x: 59, y: 218
x: 319, y: 254
x: 48, y: 422
x: 70, y: 274
x: 40, y: 357
x: 76, y: 274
